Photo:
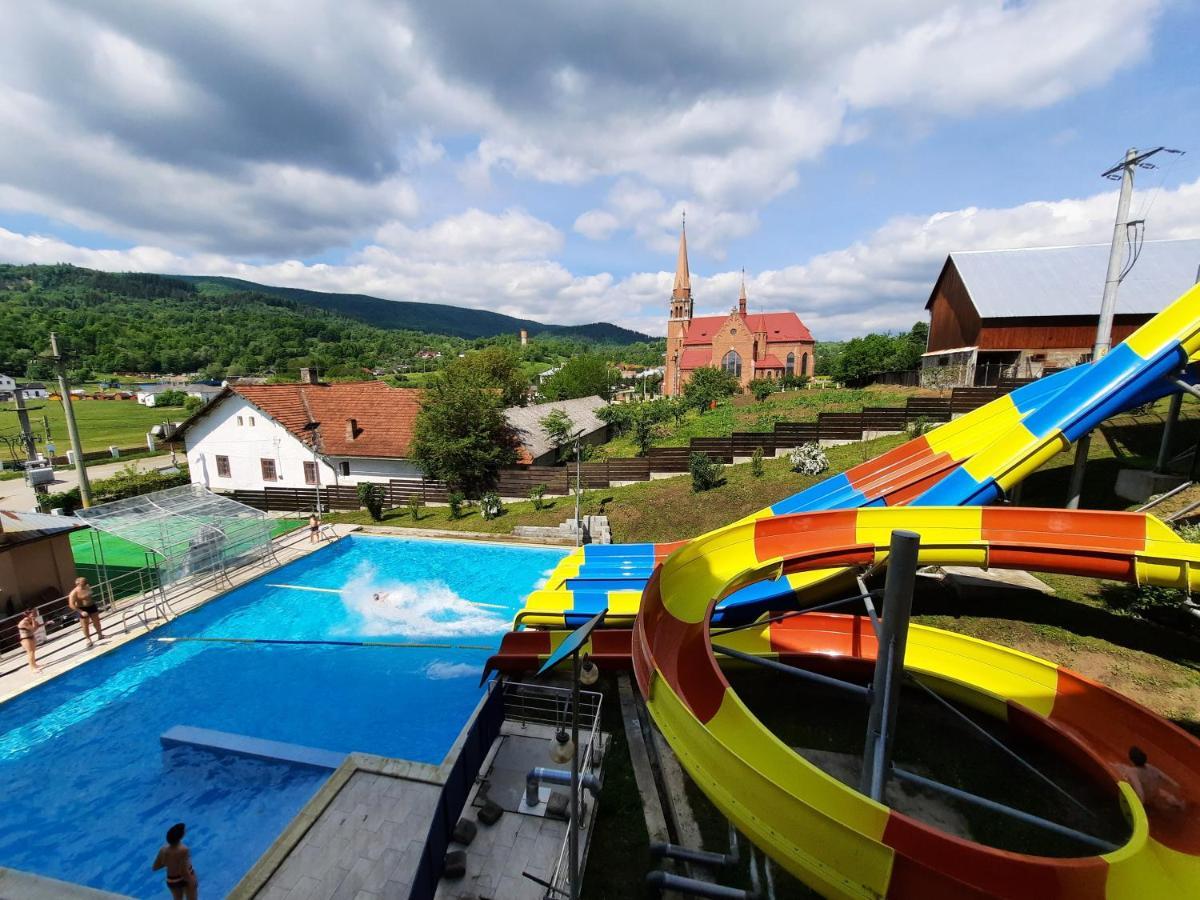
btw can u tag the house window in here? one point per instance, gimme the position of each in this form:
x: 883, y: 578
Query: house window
x: 732, y: 363
x: 223, y: 466
x: 252, y: 421
x: 310, y: 473
x: 804, y: 364
x: 791, y: 364
x: 268, y: 469
x: 239, y: 421
x: 345, y: 467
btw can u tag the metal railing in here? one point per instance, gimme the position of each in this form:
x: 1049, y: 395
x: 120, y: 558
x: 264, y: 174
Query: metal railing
x: 547, y: 705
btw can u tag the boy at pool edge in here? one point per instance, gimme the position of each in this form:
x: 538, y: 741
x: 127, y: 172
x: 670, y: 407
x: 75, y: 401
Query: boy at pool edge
x: 177, y: 859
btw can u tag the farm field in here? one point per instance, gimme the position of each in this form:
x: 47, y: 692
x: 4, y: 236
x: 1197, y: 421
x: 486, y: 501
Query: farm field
x: 102, y: 423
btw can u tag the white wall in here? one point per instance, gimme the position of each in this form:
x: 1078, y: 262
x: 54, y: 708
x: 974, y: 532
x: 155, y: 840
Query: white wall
x: 218, y: 434
x: 7, y: 383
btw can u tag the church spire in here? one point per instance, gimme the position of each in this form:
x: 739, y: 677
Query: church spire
x: 742, y: 295
x: 683, y: 281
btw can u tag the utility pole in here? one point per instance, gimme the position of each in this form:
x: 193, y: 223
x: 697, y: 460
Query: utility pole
x: 64, y: 389
x: 26, y: 429
x: 1108, y: 303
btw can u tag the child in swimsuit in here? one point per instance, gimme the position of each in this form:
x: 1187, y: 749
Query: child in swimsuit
x: 27, y: 629
x: 177, y: 860
x: 80, y: 600
x: 314, y: 528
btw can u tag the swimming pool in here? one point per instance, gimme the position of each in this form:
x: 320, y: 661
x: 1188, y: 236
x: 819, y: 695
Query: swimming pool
x: 90, y: 790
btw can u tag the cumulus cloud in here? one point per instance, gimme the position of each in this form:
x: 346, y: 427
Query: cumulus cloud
x: 180, y: 125
x: 880, y: 282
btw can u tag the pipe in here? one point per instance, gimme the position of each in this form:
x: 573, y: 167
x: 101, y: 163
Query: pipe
x: 667, y: 881
x: 686, y: 854
x: 817, y: 677
x: 538, y: 775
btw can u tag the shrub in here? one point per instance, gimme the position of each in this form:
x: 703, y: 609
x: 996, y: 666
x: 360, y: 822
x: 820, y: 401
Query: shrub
x: 128, y: 482
x: 1150, y: 601
x: 756, y: 463
x: 761, y: 388
x: 808, y: 459
x: 456, y: 501
x: 170, y: 398
x: 919, y: 426
x: 490, y: 505
x: 706, y: 472
x: 414, y: 508
x: 536, y: 495
x: 370, y: 495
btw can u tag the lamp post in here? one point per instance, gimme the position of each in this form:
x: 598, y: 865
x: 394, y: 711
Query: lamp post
x: 589, y: 673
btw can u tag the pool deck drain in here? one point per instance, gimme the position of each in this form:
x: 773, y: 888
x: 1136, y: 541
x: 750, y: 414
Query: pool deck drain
x: 68, y: 649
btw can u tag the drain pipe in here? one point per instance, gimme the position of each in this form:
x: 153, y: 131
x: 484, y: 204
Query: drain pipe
x: 667, y: 881
x: 540, y: 775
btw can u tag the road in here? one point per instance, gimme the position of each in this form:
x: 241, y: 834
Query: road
x: 19, y: 496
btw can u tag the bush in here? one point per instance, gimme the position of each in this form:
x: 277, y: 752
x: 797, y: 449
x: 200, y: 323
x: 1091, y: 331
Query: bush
x: 808, y: 459
x: 757, y: 469
x: 414, y: 508
x: 536, y: 495
x: 490, y: 505
x: 707, y: 385
x: 170, y: 398
x: 370, y: 495
x: 919, y: 426
x: 1149, y: 601
x: 762, y: 388
x: 456, y: 501
x: 706, y: 472
x: 129, y: 482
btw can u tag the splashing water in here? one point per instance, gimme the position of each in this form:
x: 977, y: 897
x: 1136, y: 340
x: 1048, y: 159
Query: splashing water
x: 439, y: 670
x: 418, y: 609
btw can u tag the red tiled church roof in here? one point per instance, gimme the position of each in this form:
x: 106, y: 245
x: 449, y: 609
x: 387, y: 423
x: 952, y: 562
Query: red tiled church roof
x: 778, y: 326
x: 695, y: 358
x: 770, y: 361
x: 383, y: 416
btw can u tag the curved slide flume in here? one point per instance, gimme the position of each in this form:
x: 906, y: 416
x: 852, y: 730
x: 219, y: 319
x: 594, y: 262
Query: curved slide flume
x: 835, y: 838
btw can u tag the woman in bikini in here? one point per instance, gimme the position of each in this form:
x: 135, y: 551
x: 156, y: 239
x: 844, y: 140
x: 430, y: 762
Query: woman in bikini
x: 177, y: 860
x: 27, y: 629
x: 80, y: 600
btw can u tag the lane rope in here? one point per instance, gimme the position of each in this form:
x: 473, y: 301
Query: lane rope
x: 318, y: 643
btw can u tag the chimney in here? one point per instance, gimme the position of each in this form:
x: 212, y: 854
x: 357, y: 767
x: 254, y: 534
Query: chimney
x: 351, y: 429
x: 308, y: 376
x: 524, y: 338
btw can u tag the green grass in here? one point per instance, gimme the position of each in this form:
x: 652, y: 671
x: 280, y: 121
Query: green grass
x: 744, y: 413
x: 102, y: 423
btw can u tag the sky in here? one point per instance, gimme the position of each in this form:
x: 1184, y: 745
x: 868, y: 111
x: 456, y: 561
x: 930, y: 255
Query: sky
x: 535, y: 157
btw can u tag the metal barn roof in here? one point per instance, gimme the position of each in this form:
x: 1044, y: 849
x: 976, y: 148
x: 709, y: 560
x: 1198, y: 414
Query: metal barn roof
x: 1069, y: 281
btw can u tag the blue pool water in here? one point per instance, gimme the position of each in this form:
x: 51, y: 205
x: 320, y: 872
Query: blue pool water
x: 90, y: 790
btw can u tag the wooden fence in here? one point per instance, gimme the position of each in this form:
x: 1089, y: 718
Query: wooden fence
x: 518, y: 481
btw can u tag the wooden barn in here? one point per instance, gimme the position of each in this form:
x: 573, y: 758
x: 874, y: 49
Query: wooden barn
x: 1003, y: 314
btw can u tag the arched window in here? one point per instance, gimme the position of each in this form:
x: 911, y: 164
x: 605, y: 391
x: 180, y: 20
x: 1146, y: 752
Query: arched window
x: 804, y: 364
x: 732, y: 363
x: 791, y: 364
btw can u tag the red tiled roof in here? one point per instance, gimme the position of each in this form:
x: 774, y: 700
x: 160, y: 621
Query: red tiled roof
x: 770, y: 361
x: 778, y: 326
x: 383, y: 415
x: 695, y: 358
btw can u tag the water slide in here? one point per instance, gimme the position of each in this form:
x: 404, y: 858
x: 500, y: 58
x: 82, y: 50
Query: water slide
x: 975, y: 459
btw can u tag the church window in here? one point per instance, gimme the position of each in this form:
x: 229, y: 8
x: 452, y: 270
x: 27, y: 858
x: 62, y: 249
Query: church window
x: 804, y: 364
x: 791, y: 364
x: 732, y: 363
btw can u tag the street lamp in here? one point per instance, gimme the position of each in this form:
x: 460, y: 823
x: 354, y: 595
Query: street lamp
x: 569, y: 749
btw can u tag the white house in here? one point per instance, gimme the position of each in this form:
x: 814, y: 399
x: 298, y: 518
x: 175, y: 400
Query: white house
x: 147, y: 394
x: 34, y: 390
x: 7, y: 383
x: 301, y: 435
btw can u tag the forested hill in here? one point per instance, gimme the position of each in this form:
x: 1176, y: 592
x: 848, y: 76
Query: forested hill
x: 153, y: 323
x: 436, y: 318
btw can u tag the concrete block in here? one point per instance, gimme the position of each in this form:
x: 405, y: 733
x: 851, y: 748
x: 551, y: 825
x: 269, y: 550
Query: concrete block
x: 1139, y: 485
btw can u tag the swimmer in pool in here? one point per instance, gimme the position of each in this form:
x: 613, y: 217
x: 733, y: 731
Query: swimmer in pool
x: 177, y: 860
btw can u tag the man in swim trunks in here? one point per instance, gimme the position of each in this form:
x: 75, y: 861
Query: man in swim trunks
x: 27, y: 629
x: 80, y: 599
x: 177, y: 860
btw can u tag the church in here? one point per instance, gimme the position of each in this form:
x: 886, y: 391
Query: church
x: 747, y: 345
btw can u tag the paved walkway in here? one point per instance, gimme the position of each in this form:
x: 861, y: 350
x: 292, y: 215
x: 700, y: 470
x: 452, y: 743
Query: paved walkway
x: 15, y: 494
x: 66, y: 649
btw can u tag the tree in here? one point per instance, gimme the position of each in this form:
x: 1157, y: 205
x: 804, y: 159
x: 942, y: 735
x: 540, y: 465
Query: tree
x: 644, y: 423
x: 585, y: 375
x: 560, y: 428
x: 708, y: 385
x: 762, y: 388
x: 460, y: 435
x: 499, y: 367
x: 170, y: 398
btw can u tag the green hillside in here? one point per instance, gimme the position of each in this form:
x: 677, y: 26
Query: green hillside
x: 430, y: 317
x: 127, y: 322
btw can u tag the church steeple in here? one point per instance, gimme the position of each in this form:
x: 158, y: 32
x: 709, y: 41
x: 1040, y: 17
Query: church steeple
x: 742, y: 296
x: 681, y: 292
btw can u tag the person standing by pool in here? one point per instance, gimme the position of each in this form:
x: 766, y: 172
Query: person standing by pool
x: 314, y: 527
x: 176, y: 858
x: 27, y: 630
x: 80, y: 600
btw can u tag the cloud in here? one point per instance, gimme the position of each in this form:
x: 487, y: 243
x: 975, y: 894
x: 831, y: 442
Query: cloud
x: 474, y: 235
x: 879, y: 282
x: 179, y: 125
